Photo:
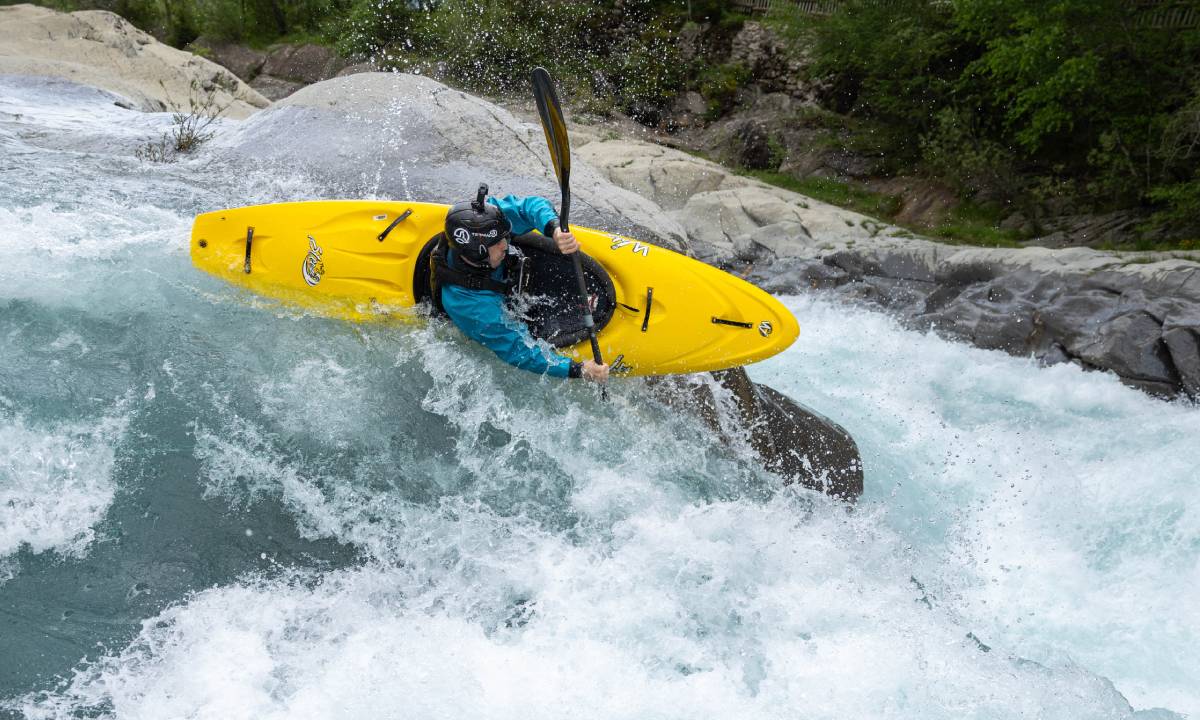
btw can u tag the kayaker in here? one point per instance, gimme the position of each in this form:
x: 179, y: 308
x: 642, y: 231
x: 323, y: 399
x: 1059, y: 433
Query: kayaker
x: 473, y: 279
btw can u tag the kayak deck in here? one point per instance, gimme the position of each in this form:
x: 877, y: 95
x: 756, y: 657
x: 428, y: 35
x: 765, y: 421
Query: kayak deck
x: 673, y: 314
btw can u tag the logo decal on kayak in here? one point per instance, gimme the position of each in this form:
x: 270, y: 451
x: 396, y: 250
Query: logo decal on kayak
x: 619, y: 242
x: 619, y: 367
x: 462, y: 236
x: 765, y: 328
x: 313, y: 268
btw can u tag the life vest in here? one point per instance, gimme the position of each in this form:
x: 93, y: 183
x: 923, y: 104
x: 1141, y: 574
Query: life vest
x: 441, y: 273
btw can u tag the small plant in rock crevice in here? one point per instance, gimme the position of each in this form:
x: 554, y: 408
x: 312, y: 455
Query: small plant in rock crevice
x: 189, y: 129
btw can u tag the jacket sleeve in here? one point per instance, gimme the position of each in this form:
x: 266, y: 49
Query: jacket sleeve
x: 528, y: 213
x: 480, y: 314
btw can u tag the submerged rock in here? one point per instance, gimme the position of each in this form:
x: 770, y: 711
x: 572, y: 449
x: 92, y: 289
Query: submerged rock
x: 795, y: 442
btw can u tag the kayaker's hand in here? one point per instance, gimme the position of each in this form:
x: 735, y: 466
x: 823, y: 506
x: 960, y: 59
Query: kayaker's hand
x: 594, y: 372
x: 566, y: 241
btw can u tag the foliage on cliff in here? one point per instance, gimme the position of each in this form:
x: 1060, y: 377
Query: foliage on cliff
x: 1020, y: 102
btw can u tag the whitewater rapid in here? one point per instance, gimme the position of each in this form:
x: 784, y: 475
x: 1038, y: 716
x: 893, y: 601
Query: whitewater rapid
x: 215, y: 506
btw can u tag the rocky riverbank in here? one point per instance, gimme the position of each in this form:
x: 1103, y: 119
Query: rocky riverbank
x: 1134, y: 314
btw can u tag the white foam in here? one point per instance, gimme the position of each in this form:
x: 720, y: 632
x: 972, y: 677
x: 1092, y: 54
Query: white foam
x: 1055, y: 509
x: 56, y: 484
x: 318, y: 397
x: 730, y: 610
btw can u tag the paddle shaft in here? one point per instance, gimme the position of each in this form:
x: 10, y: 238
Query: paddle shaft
x: 584, y: 305
x: 560, y: 154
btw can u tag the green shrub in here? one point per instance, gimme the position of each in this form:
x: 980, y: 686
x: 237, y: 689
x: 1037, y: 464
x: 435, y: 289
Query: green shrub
x: 1180, y: 208
x: 647, y: 71
x: 492, y: 45
x: 224, y: 20
x: 889, y: 61
x: 719, y: 85
x: 373, y: 28
x: 955, y: 151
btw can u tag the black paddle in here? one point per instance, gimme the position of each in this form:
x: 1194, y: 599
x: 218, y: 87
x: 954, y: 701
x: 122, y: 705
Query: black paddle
x: 560, y: 154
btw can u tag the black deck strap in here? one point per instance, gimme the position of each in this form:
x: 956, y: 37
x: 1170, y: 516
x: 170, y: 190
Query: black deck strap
x: 403, y: 216
x: 649, y: 301
x: 249, y: 240
x: 733, y: 323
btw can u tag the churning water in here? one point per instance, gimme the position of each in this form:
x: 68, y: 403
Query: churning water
x: 212, y: 506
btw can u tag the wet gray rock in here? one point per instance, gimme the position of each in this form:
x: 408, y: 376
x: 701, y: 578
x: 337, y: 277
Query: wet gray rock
x: 274, y: 88
x: 1131, y: 345
x: 995, y: 313
x: 1139, y: 322
x: 791, y: 440
x: 797, y: 442
x: 753, y: 148
x: 1181, y: 335
x: 304, y: 64
x: 243, y: 61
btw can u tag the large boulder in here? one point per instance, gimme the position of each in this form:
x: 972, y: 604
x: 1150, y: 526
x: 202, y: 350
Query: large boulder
x: 723, y: 210
x: 795, y: 442
x: 287, y: 68
x: 306, y: 63
x: 101, y: 49
x: 241, y: 60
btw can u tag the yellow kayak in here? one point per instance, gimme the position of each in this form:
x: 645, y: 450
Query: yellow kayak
x: 659, y: 312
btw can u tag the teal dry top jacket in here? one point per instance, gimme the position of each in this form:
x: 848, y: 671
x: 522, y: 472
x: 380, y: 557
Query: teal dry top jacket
x: 481, y: 313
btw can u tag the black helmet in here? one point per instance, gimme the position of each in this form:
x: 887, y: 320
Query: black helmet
x: 473, y: 227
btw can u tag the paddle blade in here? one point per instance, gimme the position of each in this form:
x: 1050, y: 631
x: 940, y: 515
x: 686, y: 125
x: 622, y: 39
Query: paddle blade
x: 552, y: 123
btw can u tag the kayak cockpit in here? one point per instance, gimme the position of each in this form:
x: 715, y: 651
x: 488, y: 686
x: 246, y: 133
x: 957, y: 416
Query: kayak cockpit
x: 548, y: 301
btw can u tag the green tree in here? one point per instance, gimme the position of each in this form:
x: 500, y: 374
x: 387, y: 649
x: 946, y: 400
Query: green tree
x: 894, y: 62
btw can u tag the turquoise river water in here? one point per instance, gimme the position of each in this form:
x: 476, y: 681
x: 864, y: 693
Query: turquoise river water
x: 212, y: 506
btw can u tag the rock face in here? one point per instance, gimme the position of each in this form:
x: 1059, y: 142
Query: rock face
x: 288, y: 68
x: 760, y: 51
x: 1134, y: 314
x: 279, y: 71
x: 243, y: 61
x: 100, y: 49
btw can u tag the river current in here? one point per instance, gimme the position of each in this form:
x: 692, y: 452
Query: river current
x: 214, y: 506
